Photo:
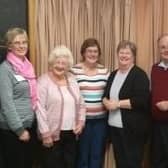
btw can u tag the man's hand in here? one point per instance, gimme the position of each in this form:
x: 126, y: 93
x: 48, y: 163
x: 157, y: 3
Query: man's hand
x: 162, y: 105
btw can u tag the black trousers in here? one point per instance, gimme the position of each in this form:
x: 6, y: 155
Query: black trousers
x: 1, y: 156
x: 159, y: 145
x: 17, y: 153
x: 62, y: 154
x: 128, y: 147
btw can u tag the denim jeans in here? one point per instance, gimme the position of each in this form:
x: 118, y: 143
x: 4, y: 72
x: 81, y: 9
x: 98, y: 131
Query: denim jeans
x: 92, y: 144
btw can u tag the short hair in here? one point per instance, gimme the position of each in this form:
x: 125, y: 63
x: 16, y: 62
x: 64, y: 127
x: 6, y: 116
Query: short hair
x: 161, y: 37
x: 90, y: 42
x: 12, y: 33
x: 124, y: 44
x: 58, y: 52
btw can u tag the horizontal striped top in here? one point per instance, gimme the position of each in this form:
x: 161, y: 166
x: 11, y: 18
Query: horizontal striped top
x: 92, y: 89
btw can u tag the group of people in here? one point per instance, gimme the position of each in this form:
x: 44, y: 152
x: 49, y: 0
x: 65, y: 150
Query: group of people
x: 70, y: 111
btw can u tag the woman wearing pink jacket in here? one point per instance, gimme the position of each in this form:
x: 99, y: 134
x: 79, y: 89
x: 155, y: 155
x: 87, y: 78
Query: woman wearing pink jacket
x: 60, y: 111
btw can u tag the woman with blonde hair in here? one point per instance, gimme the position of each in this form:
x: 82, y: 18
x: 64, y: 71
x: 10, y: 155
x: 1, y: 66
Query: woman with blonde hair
x: 17, y: 102
x: 60, y: 112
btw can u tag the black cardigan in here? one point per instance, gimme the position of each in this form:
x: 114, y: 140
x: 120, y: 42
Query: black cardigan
x: 135, y: 88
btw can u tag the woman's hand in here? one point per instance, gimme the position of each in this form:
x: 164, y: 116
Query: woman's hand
x: 48, y: 142
x: 79, y: 127
x: 111, y: 104
x: 25, y: 136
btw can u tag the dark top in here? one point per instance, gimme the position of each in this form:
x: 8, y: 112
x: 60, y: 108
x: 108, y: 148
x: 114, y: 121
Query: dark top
x: 159, y: 85
x: 135, y: 88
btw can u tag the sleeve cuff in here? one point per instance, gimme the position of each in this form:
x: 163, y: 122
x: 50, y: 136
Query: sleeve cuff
x: 19, y: 131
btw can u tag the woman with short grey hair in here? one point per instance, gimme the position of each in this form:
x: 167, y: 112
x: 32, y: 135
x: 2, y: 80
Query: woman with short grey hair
x: 60, y: 111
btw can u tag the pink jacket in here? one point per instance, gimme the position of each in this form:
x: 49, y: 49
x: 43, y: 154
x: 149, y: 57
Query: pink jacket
x: 50, y: 105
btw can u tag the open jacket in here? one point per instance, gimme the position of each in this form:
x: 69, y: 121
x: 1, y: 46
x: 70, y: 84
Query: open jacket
x: 50, y: 110
x: 135, y: 88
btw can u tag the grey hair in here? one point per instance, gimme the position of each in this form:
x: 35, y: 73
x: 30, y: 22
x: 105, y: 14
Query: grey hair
x: 58, y: 52
x: 162, y: 36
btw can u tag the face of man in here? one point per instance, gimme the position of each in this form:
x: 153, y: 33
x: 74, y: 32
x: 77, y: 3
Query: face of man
x: 163, y: 48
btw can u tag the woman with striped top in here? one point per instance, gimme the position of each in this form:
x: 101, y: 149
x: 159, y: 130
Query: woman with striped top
x: 92, y: 77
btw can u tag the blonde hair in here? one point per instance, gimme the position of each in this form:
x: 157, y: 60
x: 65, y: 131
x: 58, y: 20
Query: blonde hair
x: 12, y: 33
x: 58, y: 52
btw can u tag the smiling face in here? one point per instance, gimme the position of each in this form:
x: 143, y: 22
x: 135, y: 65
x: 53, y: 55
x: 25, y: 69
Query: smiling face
x: 91, y: 55
x: 19, y: 45
x: 163, y: 48
x: 60, y: 66
x: 125, y: 58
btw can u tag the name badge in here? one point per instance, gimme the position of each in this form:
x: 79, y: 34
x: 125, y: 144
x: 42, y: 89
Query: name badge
x: 19, y: 78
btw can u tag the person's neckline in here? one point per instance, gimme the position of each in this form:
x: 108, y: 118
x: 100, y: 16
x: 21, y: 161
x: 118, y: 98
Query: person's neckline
x: 123, y: 71
x: 55, y: 81
x: 88, y: 69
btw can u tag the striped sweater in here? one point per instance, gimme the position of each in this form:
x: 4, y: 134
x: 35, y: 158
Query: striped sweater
x: 92, y: 89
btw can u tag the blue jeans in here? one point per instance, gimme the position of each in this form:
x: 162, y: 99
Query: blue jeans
x: 92, y: 144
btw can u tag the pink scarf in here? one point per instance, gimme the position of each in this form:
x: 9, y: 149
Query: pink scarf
x: 25, y: 69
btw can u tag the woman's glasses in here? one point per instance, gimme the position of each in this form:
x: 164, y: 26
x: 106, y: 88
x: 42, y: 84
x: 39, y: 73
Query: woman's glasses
x: 20, y: 43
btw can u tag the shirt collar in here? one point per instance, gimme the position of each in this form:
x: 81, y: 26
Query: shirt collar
x: 163, y: 65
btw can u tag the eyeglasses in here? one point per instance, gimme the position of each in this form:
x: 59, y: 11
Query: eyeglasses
x: 19, y: 43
